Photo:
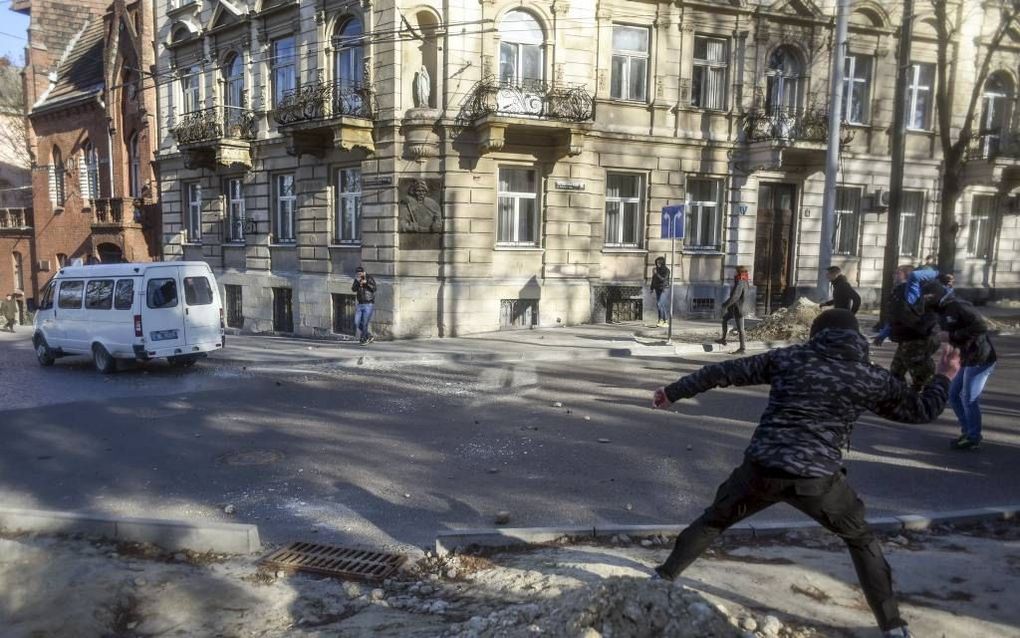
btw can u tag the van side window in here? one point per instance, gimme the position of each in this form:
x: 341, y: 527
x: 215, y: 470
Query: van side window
x: 70, y: 294
x: 162, y: 293
x: 124, y: 297
x: 197, y: 291
x: 99, y: 294
x: 47, y: 297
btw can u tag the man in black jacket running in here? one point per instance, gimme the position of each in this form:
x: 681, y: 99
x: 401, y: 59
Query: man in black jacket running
x: 844, y: 297
x: 818, y: 391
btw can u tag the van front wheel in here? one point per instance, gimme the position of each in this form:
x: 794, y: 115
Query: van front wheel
x: 43, y: 352
x: 104, y: 362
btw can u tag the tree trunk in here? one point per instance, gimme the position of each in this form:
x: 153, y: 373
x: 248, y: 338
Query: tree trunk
x: 949, y: 227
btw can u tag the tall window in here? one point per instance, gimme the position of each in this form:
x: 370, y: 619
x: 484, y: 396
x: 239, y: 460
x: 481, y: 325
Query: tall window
x: 848, y: 220
x: 61, y: 260
x: 517, y: 198
x: 630, y: 63
x: 350, y: 54
x: 19, y: 271
x: 521, y: 62
x: 88, y: 171
x: 623, y: 210
x: 284, y: 68
x: 783, y: 81
x: 191, y: 90
x: 856, y: 89
x: 134, y: 167
x: 193, y: 214
x: 348, y: 206
x: 57, y: 192
x: 911, y: 215
x: 704, y: 214
x: 285, y: 199
x: 995, y: 113
x: 235, y: 209
x: 921, y: 78
x: 981, y: 235
x: 233, y: 82
x: 708, y: 86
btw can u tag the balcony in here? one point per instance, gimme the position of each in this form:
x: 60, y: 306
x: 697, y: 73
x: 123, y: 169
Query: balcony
x: 322, y: 116
x: 994, y: 158
x: 113, y: 215
x: 788, y: 138
x: 217, y: 136
x: 15, y: 222
x: 531, y: 113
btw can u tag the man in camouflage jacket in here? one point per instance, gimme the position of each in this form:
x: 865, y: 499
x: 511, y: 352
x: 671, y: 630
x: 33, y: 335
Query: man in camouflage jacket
x: 819, y: 389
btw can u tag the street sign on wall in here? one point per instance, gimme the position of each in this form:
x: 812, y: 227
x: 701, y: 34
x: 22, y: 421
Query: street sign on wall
x: 673, y: 222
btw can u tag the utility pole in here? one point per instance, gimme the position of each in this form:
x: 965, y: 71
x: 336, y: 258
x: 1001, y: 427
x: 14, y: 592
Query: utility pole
x: 899, y: 134
x: 832, y: 152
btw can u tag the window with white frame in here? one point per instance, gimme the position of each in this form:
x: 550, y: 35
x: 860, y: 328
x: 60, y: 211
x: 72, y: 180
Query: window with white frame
x: 89, y: 171
x: 704, y: 214
x: 521, y: 60
x: 193, y: 212
x: 285, y: 200
x: 708, y: 84
x: 284, y: 70
x: 235, y: 209
x: 783, y: 81
x: 349, y: 53
x: 134, y: 167
x: 848, y: 220
x: 981, y: 231
x: 921, y: 80
x: 517, y: 202
x: 911, y: 216
x: 57, y: 187
x: 348, y: 206
x: 623, y: 210
x: 630, y: 63
x: 191, y: 90
x: 856, y: 89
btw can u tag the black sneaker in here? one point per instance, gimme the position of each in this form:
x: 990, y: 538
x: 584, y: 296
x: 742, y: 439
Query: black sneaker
x: 721, y: 342
x: 739, y: 351
x: 370, y: 339
x: 899, y: 632
x: 963, y: 443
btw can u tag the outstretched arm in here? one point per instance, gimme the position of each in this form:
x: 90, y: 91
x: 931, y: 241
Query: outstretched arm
x: 899, y: 403
x: 746, y: 371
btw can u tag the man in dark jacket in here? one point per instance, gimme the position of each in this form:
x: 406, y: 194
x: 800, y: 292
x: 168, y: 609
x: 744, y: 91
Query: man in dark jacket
x: 659, y: 285
x: 844, y: 296
x: 963, y: 327
x: 364, y: 288
x: 912, y: 328
x: 818, y: 391
x: 734, y: 307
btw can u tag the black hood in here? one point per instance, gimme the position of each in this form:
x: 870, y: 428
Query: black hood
x: 845, y: 345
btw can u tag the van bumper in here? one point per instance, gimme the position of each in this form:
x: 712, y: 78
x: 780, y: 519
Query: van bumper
x: 195, y: 349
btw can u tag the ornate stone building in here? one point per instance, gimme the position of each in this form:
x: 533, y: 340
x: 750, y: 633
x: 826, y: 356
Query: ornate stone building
x: 497, y: 164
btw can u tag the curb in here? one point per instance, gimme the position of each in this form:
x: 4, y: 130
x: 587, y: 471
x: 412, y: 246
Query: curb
x: 226, y: 538
x: 519, y: 537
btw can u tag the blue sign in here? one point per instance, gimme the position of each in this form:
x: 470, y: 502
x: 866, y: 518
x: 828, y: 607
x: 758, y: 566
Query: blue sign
x: 673, y: 221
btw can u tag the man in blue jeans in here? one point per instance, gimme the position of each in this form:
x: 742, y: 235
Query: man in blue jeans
x: 364, y: 288
x: 963, y: 327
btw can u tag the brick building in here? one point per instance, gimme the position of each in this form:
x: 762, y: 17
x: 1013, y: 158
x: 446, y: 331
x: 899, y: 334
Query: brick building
x: 89, y: 109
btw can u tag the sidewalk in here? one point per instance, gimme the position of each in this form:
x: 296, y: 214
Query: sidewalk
x: 594, y: 341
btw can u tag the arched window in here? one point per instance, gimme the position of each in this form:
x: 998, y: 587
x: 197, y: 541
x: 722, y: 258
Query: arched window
x: 61, y: 260
x: 134, y: 167
x: 191, y: 90
x: 349, y: 54
x: 57, y: 191
x: 521, y: 60
x: 233, y: 82
x: 783, y: 81
x: 88, y: 171
x: 19, y: 271
x: 995, y: 103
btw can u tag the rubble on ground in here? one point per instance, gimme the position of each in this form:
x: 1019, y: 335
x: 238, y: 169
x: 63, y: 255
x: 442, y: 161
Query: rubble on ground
x: 787, y: 324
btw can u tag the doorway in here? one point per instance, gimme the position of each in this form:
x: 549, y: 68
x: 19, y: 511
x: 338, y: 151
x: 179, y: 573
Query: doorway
x: 773, y: 259
x: 110, y: 254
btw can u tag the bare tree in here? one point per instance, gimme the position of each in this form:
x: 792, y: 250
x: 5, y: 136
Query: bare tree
x: 13, y: 123
x: 949, y: 19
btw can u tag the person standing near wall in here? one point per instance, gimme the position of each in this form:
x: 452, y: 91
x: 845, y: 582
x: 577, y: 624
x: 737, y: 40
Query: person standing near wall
x: 734, y: 307
x: 660, y: 286
x: 364, y: 289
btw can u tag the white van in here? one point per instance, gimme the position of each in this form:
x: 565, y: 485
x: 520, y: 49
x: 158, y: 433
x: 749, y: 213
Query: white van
x: 130, y: 311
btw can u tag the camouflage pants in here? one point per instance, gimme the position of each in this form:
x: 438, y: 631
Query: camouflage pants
x: 915, y: 357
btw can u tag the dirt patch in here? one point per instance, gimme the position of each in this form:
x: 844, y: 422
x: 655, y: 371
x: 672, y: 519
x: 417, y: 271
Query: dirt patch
x: 787, y: 324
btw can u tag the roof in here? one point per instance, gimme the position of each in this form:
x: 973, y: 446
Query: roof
x: 120, y: 270
x: 80, y: 73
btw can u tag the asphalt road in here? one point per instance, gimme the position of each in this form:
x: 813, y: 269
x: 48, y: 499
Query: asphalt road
x: 389, y: 455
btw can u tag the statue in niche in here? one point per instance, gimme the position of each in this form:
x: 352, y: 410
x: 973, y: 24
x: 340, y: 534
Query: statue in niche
x: 420, y: 213
x: 422, y: 88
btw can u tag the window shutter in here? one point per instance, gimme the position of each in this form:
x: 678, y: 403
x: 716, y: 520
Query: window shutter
x: 52, y: 172
x: 83, y: 177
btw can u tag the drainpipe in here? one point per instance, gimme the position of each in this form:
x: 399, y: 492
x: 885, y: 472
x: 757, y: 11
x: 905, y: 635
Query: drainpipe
x: 109, y: 151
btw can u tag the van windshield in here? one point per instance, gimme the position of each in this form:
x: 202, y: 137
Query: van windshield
x: 197, y: 291
x: 161, y: 293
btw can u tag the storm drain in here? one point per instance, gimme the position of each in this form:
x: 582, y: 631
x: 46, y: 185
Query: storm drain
x: 331, y: 560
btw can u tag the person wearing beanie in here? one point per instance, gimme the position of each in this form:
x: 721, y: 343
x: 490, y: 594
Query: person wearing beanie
x: 734, y: 307
x: 818, y: 391
x: 963, y: 327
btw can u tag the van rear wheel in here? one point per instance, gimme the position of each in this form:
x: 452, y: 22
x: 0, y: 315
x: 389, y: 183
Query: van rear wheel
x: 104, y: 362
x: 183, y: 361
x: 43, y: 352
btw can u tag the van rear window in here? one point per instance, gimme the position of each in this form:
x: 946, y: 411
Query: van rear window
x: 124, y: 297
x: 197, y: 291
x: 161, y: 293
x: 99, y: 294
x: 70, y: 295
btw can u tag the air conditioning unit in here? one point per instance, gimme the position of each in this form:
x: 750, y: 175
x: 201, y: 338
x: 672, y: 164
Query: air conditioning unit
x: 44, y: 265
x: 880, y: 198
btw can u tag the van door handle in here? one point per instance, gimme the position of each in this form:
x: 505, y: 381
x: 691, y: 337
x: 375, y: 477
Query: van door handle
x: 187, y: 311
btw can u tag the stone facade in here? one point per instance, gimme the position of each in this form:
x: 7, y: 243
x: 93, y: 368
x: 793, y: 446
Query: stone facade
x: 498, y: 164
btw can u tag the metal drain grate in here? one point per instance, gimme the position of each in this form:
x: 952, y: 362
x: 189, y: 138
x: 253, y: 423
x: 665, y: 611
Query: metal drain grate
x: 335, y: 561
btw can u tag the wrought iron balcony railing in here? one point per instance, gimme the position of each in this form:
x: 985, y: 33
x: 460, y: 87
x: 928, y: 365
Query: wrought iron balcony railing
x: 216, y: 123
x: 990, y: 146
x: 324, y: 101
x: 787, y: 125
x: 567, y: 103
